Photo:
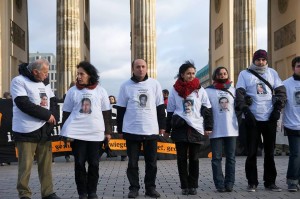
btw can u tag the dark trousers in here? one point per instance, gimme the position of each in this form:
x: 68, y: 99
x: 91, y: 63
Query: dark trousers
x: 150, y: 154
x: 86, y: 151
x: 268, y: 130
x: 188, y: 173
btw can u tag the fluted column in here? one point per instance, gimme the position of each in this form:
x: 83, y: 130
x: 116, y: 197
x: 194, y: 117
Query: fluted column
x: 143, y: 33
x: 68, y: 43
x: 244, y: 34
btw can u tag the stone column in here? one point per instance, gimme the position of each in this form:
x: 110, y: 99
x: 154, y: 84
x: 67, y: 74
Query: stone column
x: 67, y: 43
x: 143, y: 33
x: 244, y: 34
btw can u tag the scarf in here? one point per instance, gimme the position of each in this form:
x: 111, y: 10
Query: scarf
x: 296, y: 77
x: 88, y: 86
x: 184, y: 89
x: 221, y: 84
x: 259, y: 69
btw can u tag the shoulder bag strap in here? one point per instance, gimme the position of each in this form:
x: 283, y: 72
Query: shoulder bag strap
x: 261, y: 78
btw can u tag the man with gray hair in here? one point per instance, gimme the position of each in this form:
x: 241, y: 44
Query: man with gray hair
x: 32, y: 125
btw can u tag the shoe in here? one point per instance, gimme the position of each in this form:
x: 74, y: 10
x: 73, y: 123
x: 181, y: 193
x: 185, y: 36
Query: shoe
x: 221, y: 190
x: 152, y: 193
x: 67, y: 158
x: 24, y: 197
x: 123, y: 158
x: 193, y: 191
x: 93, y: 196
x: 51, y: 196
x: 185, y: 191
x: 273, y: 187
x: 292, y: 188
x: 83, y: 196
x: 251, y: 188
x: 228, y: 189
x: 133, y: 194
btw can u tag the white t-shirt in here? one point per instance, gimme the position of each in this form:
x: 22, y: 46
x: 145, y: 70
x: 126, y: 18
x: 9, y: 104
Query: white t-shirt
x: 38, y: 94
x: 291, y: 113
x: 141, y: 100
x: 190, y: 108
x: 225, y: 120
x: 86, y: 120
x: 260, y: 93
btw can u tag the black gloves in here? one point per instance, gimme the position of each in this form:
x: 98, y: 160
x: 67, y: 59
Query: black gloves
x: 275, y: 115
x: 249, y: 118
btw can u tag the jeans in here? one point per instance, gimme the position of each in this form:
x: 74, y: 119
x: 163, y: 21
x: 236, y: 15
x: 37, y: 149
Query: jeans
x: 43, y: 153
x: 188, y: 173
x: 268, y: 130
x: 150, y: 155
x: 293, y: 172
x: 229, y: 144
x: 86, y: 151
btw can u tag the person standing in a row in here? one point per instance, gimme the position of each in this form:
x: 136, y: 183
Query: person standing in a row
x: 189, y: 120
x: 140, y: 119
x: 291, y: 123
x: 86, y: 121
x: 225, y: 131
x: 32, y: 125
x: 257, y: 83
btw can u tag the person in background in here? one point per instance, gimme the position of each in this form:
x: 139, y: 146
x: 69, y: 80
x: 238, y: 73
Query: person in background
x: 86, y: 129
x: 291, y: 123
x: 141, y: 125
x: 113, y: 102
x: 260, y: 117
x: 189, y: 121
x: 33, y: 135
x: 225, y: 131
x: 166, y: 96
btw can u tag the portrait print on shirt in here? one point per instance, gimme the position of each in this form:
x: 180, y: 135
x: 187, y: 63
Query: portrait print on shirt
x: 143, y: 100
x: 297, y: 98
x: 86, y: 106
x: 188, y: 106
x: 44, y: 100
x: 223, y: 104
x: 261, y: 88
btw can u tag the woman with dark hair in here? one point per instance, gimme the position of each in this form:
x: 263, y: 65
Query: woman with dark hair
x: 86, y: 128
x: 225, y: 131
x: 189, y: 120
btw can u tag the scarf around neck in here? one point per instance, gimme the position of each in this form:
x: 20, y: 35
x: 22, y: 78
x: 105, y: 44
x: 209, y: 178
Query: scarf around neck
x: 296, y: 77
x: 184, y: 89
x: 222, y: 85
x: 259, y: 69
x: 89, y: 86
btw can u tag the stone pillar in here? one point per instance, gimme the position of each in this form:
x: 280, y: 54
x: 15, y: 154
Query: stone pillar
x: 143, y: 33
x: 67, y: 42
x: 244, y: 34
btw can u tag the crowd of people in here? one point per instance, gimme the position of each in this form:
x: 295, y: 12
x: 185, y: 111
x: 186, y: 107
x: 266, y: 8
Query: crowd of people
x: 189, y: 114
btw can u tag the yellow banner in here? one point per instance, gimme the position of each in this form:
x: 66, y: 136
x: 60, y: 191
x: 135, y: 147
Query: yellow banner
x: 59, y: 146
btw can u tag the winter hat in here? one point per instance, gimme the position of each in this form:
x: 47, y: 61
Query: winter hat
x: 260, y: 54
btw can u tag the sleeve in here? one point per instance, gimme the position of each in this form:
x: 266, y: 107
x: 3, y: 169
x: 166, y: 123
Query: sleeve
x: 17, y: 88
x: 105, y: 104
x: 54, y: 108
x: 171, y: 102
x: 120, y: 117
x: 161, y: 116
x: 168, y: 122
x: 206, y: 112
x: 241, y: 81
x: 159, y: 95
x: 122, y: 98
x: 280, y: 97
x: 68, y: 102
x: 107, y: 121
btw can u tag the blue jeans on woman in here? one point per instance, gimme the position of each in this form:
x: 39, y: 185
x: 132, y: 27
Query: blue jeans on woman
x: 229, y: 144
x: 293, y: 172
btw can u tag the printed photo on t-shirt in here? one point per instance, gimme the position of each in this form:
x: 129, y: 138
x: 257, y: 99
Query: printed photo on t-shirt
x: 44, y: 100
x: 261, y: 89
x: 188, y: 106
x: 143, y: 100
x: 86, y: 106
x: 223, y: 104
x: 297, y: 98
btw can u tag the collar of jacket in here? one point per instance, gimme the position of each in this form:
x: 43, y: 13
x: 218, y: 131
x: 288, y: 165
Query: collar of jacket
x: 296, y: 77
x: 133, y: 78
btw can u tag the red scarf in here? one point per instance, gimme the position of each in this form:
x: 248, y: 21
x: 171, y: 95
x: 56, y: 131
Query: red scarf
x: 89, y: 86
x: 221, y: 85
x: 184, y: 89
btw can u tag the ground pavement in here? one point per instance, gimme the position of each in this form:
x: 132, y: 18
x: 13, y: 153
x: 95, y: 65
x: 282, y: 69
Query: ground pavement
x: 113, y: 182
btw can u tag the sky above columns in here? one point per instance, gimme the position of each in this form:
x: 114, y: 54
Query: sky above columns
x: 182, y: 33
